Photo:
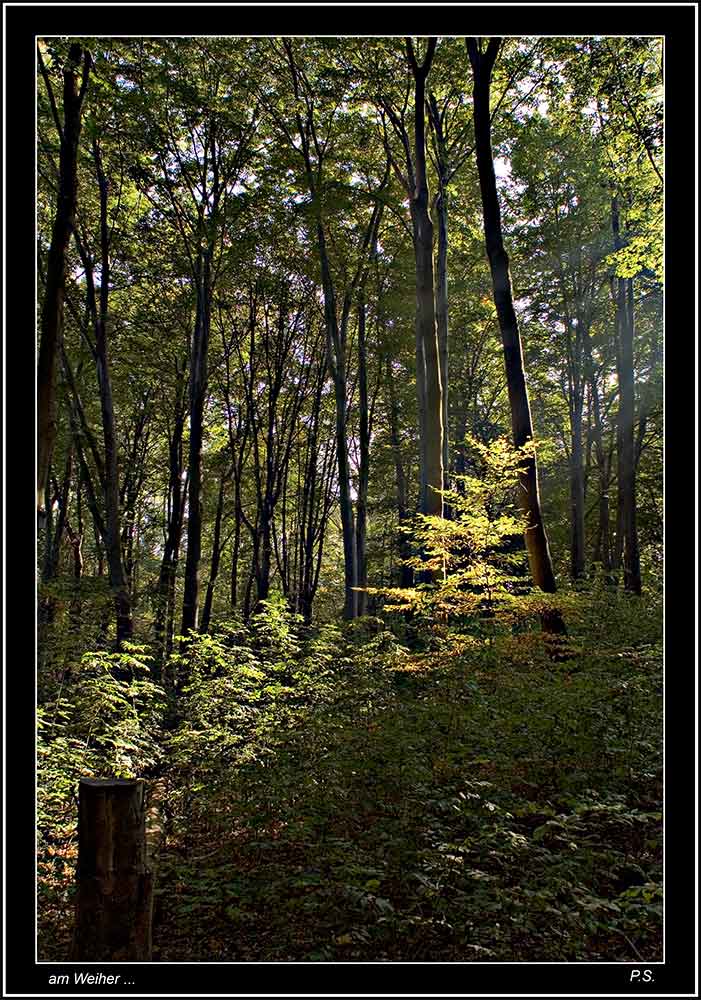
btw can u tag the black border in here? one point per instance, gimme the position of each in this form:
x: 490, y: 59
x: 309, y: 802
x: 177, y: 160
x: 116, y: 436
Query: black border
x: 678, y: 24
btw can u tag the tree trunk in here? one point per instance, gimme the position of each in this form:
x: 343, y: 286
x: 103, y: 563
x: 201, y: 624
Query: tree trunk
x: 198, y: 391
x: 441, y: 286
x: 115, y: 887
x: 265, y: 553
x: 165, y: 593
x: 406, y: 573
x: 602, y: 549
x: 335, y: 347
x: 577, y: 492
x: 428, y: 375
x: 364, y: 470
x: 216, y: 557
x: 52, y: 308
x: 234, y: 578
x: 54, y: 533
x: 113, y: 544
x: 625, y: 324
x: 522, y: 429
x: 617, y: 555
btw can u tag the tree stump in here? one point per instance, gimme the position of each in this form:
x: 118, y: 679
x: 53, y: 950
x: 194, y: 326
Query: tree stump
x: 115, y: 886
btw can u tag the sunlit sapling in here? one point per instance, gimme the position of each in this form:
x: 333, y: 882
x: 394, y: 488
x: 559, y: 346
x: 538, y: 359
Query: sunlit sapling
x: 483, y: 573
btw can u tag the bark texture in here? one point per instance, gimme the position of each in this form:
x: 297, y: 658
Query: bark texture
x: 114, y: 901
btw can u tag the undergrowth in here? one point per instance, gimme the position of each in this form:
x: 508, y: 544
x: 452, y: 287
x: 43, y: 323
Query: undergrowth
x: 351, y: 793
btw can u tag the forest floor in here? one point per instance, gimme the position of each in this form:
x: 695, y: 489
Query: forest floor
x: 466, y: 801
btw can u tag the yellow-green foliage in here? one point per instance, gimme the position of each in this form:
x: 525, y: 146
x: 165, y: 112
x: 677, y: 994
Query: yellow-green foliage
x: 475, y: 556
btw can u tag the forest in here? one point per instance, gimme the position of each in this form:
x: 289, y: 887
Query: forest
x: 349, y: 491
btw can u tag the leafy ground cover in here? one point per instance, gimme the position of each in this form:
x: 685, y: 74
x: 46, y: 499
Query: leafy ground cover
x: 358, y: 794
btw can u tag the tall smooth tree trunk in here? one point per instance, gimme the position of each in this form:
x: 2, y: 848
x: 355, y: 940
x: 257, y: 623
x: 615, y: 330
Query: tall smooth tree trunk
x: 198, y: 393
x: 625, y: 328
x: 350, y: 561
x: 165, y: 595
x: 364, y: 470
x: 631, y: 563
x: 577, y: 492
x: 235, y: 550
x: 313, y: 509
x: 602, y: 548
x: 216, y: 557
x: 617, y: 554
x: 52, y: 307
x: 537, y: 546
x: 54, y: 532
x: 406, y: 573
x: 335, y: 347
x: 113, y: 541
x: 264, y: 551
x: 76, y: 536
x: 428, y: 376
x: 441, y: 292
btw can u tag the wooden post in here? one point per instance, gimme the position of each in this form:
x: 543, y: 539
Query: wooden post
x: 115, y: 886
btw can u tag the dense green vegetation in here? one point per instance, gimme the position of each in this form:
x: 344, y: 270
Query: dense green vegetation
x: 350, y: 489
x: 340, y: 795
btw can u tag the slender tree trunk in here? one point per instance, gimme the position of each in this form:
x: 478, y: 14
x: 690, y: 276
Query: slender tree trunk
x: 313, y: 510
x: 602, y: 549
x: 54, y: 532
x: 577, y: 492
x: 48, y: 569
x: 522, y: 429
x: 335, y: 341
x: 265, y: 560
x: 248, y: 592
x: 364, y: 471
x: 625, y: 321
x: 406, y: 573
x: 429, y: 390
x: 625, y: 329
x: 441, y: 283
x: 76, y: 536
x: 631, y: 564
x: 617, y: 554
x: 174, y: 522
x: 216, y: 557
x: 113, y: 544
x: 198, y: 392
x: 235, y: 550
x: 52, y: 308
